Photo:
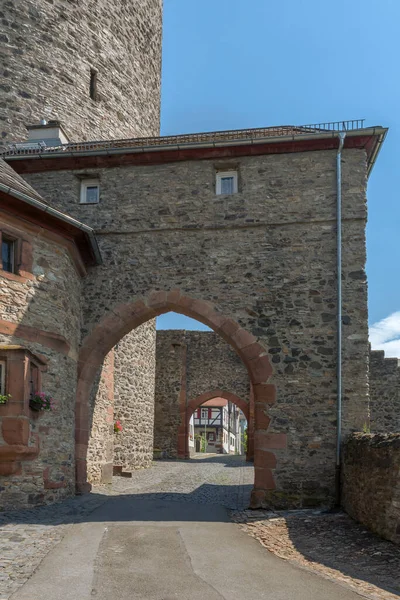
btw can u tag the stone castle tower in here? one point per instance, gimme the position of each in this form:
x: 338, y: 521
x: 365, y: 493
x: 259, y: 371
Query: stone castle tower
x: 94, y: 65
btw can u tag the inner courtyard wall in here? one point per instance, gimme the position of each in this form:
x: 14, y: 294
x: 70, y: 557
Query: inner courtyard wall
x: 134, y: 389
x: 264, y: 257
x: 188, y: 364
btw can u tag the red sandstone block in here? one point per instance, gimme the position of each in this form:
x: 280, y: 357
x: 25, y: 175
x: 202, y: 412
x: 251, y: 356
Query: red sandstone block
x: 252, y: 351
x: 173, y: 297
x: 269, y: 441
x: 263, y: 479
x: 229, y: 328
x: 243, y: 338
x: 157, y: 299
x: 260, y: 369
x: 52, y: 485
x: 262, y: 419
x: 264, y: 393
x: 81, y: 436
x: 10, y: 468
x: 81, y: 451
x: 15, y: 430
x: 217, y: 321
x: 81, y: 470
x: 265, y: 459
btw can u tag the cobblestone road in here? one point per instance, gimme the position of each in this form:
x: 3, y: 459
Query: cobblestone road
x: 27, y: 536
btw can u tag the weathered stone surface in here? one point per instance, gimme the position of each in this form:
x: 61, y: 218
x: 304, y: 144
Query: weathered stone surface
x: 384, y: 393
x: 371, y: 482
x: 135, y: 364
x: 47, y: 51
x: 101, y: 441
x: 47, y: 303
x: 265, y: 259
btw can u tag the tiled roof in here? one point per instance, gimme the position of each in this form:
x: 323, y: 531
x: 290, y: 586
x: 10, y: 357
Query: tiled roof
x: 216, y: 402
x: 206, y: 139
x: 14, y: 182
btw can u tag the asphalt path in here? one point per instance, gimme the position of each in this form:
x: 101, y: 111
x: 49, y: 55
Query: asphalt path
x: 157, y: 549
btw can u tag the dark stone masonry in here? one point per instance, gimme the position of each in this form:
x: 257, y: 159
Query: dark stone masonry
x: 51, y: 52
x: 384, y: 393
x: 371, y: 482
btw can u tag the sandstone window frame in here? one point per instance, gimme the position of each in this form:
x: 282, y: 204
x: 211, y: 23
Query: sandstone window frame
x: 87, y: 184
x: 23, y: 253
x: 13, y: 245
x: 220, y: 176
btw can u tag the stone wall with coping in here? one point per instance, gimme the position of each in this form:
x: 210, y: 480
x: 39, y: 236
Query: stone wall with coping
x: 384, y: 393
x: 47, y: 51
x: 264, y: 257
x: 371, y: 482
x: 44, y: 314
x: 134, y: 384
x: 100, y: 454
x: 188, y: 364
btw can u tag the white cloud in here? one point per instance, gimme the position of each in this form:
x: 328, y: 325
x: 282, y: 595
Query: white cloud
x: 385, y: 335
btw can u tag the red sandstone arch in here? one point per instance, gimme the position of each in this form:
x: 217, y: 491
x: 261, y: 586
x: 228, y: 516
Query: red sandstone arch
x: 125, y: 317
x: 199, y: 400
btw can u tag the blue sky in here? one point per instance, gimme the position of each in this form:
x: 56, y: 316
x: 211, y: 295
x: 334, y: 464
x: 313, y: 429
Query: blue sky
x: 231, y: 64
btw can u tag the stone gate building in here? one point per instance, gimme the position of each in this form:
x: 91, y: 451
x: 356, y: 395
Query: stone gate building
x: 258, y: 266
x: 237, y: 229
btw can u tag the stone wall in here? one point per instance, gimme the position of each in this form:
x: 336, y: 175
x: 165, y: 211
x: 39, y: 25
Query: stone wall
x: 264, y: 258
x: 135, y: 365
x: 47, y: 51
x: 371, y: 482
x: 384, y: 393
x: 101, y: 442
x: 170, y: 379
x: 188, y: 364
x: 43, y: 314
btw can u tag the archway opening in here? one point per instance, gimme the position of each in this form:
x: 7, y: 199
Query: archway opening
x: 218, y: 423
x: 123, y: 319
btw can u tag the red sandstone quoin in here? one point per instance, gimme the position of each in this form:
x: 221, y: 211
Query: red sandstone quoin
x: 126, y: 317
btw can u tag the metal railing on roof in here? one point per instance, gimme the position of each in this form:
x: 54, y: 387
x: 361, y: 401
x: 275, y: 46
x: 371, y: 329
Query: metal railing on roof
x: 28, y: 148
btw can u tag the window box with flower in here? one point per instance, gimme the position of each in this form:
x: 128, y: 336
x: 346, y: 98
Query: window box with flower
x: 41, y: 401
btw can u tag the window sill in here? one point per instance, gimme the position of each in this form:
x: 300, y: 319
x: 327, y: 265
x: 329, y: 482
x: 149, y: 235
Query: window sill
x: 14, y: 277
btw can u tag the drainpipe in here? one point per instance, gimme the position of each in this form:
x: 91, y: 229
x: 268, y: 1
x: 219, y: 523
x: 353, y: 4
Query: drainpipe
x: 342, y: 136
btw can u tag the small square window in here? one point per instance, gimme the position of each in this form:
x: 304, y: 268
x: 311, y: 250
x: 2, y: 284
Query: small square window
x: 8, y: 254
x: 227, y: 183
x: 90, y: 191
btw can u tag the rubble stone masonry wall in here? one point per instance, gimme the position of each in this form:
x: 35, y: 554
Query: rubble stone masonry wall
x: 384, y: 393
x: 265, y: 258
x: 371, y: 482
x: 191, y: 363
x: 47, y: 51
x: 43, y: 314
x: 134, y: 381
x: 101, y: 441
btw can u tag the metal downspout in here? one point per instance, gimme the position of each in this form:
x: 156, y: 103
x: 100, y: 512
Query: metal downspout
x: 342, y: 136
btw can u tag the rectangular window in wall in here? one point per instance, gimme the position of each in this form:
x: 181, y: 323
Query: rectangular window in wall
x: 90, y: 191
x: 8, y: 254
x: 204, y: 413
x: 226, y: 183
